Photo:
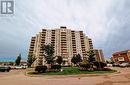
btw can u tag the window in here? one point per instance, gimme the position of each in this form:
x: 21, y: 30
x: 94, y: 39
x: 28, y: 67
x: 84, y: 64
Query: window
x: 121, y: 59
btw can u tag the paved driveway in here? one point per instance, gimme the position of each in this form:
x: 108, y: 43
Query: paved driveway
x: 17, y: 77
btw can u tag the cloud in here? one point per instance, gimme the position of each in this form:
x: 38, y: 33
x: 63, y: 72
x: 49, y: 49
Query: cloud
x: 105, y: 21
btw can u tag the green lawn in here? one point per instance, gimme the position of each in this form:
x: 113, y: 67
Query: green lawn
x: 71, y: 71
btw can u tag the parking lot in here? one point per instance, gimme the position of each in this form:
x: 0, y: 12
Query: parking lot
x: 18, y: 77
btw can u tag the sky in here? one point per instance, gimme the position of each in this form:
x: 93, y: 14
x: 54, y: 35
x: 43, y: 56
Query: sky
x: 107, y: 22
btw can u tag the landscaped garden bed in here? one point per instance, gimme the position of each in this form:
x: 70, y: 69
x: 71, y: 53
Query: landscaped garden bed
x: 71, y: 71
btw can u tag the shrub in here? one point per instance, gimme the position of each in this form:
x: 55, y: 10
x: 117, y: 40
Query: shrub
x: 56, y: 67
x: 84, y: 66
x: 99, y: 64
x: 41, y: 69
x: 84, y: 61
x: 107, y: 69
x: 59, y: 60
x: 103, y: 69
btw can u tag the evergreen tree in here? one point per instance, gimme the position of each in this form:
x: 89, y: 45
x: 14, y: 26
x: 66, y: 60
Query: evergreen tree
x: 17, y: 61
x: 30, y: 60
x: 91, y: 55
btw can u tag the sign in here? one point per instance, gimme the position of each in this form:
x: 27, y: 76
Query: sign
x: 6, y: 7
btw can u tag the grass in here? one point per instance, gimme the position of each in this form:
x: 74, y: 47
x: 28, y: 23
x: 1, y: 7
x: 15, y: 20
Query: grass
x: 71, y: 71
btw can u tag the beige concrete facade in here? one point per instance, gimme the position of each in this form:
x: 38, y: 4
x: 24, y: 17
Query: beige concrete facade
x: 99, y: 55
x: 67, y: 43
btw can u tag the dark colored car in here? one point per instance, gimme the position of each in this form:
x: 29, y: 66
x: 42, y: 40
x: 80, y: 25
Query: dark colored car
x: 5, y: 69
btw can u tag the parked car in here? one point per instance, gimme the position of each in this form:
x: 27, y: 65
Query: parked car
x: 115, y: 65
x: 124, y: 65
x: 109, y: 65
x: 20, y: 67
x: 5, y: 68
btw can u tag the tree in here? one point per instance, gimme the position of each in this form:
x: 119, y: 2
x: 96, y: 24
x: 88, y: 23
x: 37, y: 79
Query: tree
x: 91, y: 55
x: 84, y: 61
x: 79, y: 59
x: 107, y: 62
x: 84, y: 65
x: 59, y: 60
x: 91, y: 58
x: 76, y: 59
x: 17, y: 61
x: 99, y: 64
x: 30, y: 60
x: 48, y: 53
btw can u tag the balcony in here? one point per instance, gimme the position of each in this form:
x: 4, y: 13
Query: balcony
x: 74, y: 45
x: 32, y: 44
x: 63, y: 48
x: 73, y: 40
x: 73, y: 31
x: 31, y: 47
x: 53, y: 40
x: 31, y: 50
x: 43, y: 30
x: 81, y: 38
x: 63, y: 32
x: 32, y: 41
x: 53, y: 35
x: 53, y: 32
x: 73, y: 36
x: 82, y: 45
x: 74, y: 52
x: 42, y: 42
x: 63, y: 39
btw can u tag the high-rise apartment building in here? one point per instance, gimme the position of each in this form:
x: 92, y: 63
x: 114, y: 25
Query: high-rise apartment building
x: 66, y: 42
x: 99, y: 55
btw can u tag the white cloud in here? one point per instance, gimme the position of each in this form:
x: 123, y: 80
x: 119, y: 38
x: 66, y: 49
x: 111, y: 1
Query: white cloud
x: 97, y: 18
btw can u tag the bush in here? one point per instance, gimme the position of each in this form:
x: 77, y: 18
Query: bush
x: 107, y: 69
x: 85, y: 66
x: 41, y: 69
x: 99, y: 64
x: 103, y: 69
x: 56, y: 67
